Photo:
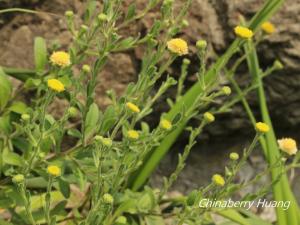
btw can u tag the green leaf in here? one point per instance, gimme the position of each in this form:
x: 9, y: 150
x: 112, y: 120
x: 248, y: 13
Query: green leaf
x: 92, y: 118
x: 130, y: 12
x: 64, y: 188
x: 154, y: 220
x: 233, y: 215
x: 11, y: 158
x: 40, y: 54
x: 5, y: 125
x: 5, y: 89
x: 32, y: 83
x: 74, y: 133
x: 18, y: 107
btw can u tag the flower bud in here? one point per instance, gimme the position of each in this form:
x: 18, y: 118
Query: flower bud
x: 201, y: 44
x: 69, y: 13
x: 186, y: 61
x: 185, y: 23
x: 121, y: 220
x: 17, y: 179
x: 234, y: 156
x: 86, y: 68
x: 108, y: 199
x: 73, y: 112
x: 84, y: 28
x: 226, y: 90
x: 278, y: 65
x: 102, y: 17
x: 209, y: 118
x: 25, y: 117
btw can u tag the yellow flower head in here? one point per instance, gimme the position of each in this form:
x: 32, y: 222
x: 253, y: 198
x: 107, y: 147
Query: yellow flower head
x: 132, y: 134
x: 226, y: 90
x: 165, y: 124
x: 54, y: 170
x: 268, y: 27
x: 60, y: 58
x: 209, y: 117
x: 243, y: 32
x: 56, y: 85
x: 288, y: 145
x: 262, y: 127
x: 218, y: 180
x: 178, y: 46
x: 132, y: 107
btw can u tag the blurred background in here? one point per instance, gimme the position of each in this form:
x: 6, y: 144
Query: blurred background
x: 212, y: 20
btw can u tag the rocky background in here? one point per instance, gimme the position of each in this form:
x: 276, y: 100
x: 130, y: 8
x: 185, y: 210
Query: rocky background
x: 211, y: 20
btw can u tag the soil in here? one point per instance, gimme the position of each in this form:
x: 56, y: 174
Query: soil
x: 211, y: 20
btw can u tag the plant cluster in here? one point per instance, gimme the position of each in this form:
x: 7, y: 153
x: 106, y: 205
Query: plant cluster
x: 100, y: 177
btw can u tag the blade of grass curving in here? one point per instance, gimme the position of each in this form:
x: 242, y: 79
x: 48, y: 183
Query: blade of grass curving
x: 188, y: 99
x: 281, y: 190
x: 20, y: 74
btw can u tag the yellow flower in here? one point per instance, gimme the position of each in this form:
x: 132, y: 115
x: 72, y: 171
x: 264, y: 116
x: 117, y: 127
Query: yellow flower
x: 178, y: 46
x: 268, y: 27
x: 288, y: 145
x: 218, y: 180
x: 165, y: 124
x: 54, y: 170
x: 132, y: 107
x: 226, y: 90
x: 132, y: 134
x: 55, y: 85
x: 262, y: 127
x: 243, y: 32
x: 209, y: 117
x: 60, y: 58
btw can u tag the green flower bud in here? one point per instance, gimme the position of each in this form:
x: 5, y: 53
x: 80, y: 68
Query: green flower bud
x: 84, y: 28
x: 73, y: 112
x: 278, y: 65
x: 25, y: 117
x: 121, y: 220
x: 108, y: 199
x: 86, y: 68
x: 226, y: 90
x: 17, y: 179
x: 209, y: 118
x: 186, y: 61
x: 102, y: 17
x: 201, y: 44
x: 69, y: 13
x: 168, y: 2
x: 185, y: 23
x: 105, y: 141
x: 234, y: 156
